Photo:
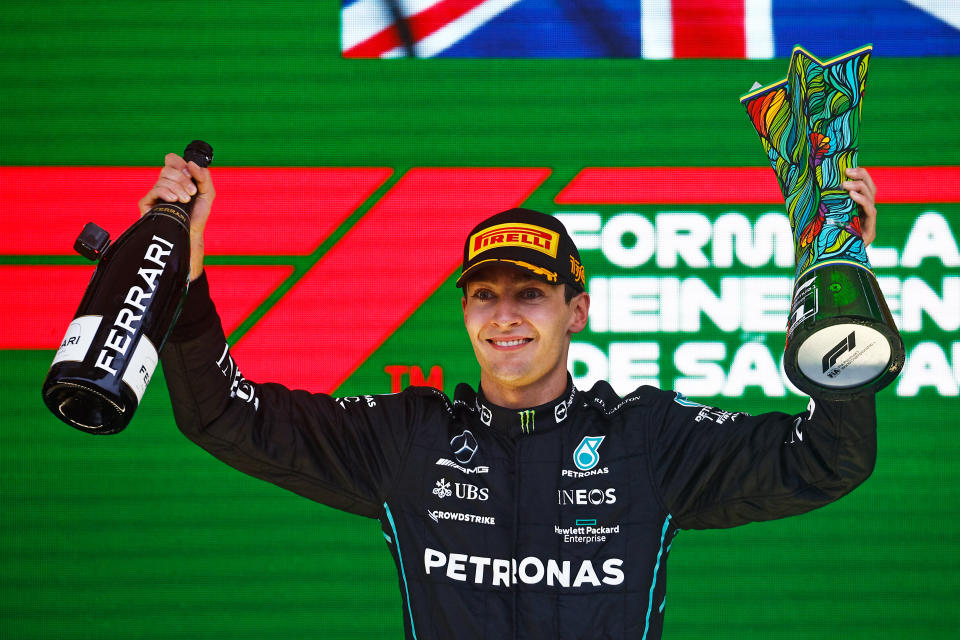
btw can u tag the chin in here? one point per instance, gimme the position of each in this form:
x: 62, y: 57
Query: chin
x: 518, y: 379
x: 510, y: 376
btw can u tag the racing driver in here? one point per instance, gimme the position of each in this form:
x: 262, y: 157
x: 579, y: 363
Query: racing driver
x: 528, y: 508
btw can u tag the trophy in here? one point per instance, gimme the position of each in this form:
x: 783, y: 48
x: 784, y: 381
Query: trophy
x: 841, y: 339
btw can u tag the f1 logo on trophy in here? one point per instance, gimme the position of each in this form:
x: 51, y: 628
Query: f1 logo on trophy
x: 841, y: 338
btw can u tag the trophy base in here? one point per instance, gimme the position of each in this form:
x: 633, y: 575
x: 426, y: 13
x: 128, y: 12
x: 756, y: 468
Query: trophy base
x: 842, y: 342
x: 842, y: 361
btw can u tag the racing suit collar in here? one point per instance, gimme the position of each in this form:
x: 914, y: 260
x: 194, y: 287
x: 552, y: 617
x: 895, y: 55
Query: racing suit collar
x: 517, y: 422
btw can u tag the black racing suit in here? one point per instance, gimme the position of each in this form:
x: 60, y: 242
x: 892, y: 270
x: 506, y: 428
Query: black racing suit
x: 551, y: 522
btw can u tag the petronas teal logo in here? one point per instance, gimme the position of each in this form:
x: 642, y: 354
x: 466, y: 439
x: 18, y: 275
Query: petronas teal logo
x: 527, y: 424
x: 585, y: 456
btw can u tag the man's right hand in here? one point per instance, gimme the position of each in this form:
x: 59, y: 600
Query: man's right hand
x: 179, y: 180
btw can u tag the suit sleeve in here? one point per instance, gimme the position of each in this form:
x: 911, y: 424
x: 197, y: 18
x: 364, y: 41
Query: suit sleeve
x: 342, y: 452
x: 716, y: 469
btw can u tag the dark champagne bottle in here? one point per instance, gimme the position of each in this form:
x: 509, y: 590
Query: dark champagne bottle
x: 110, y: 351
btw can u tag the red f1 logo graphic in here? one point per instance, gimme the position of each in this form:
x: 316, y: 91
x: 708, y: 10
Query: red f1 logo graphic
x: 328, y: 322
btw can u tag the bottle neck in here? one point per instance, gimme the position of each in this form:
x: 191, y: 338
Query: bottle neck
x: 180, y: 212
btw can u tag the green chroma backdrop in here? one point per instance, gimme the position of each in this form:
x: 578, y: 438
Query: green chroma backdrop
x: 144, y: 535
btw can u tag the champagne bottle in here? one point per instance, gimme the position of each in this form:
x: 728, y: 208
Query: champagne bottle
x: 111, y: 347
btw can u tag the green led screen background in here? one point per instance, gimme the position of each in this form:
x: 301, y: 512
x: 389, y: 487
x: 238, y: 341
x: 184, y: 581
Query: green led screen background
x: 145, y: 535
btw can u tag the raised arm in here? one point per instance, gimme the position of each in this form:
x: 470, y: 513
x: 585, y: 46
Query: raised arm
x: 342, y: 452
x: 718, y: 469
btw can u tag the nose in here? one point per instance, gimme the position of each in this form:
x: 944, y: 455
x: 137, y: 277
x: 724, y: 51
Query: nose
x: 506, y: 313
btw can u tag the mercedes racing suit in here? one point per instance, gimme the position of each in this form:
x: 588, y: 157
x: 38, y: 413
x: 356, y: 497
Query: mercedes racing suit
x: 549, y: 522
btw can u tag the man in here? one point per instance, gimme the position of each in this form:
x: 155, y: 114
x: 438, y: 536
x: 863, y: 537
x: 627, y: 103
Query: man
x: 529, y: 508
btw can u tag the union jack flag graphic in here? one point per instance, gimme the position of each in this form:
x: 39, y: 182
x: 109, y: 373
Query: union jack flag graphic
x: 653, y: 29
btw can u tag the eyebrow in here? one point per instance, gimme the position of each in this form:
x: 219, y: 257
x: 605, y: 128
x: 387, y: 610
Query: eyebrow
x: 518, y: 279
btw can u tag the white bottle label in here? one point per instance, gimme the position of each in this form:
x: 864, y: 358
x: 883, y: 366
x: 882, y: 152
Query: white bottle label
x: 140, y: 367
x: 77, y: 342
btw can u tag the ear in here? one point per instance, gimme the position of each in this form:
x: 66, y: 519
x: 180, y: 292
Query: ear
x: 580, y: 307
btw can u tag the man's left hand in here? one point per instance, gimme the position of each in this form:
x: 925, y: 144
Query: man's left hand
x: 860, y: 186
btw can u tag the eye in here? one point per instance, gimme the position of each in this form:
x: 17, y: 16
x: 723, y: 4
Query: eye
x: 483, y: 294
x: 531, y: 293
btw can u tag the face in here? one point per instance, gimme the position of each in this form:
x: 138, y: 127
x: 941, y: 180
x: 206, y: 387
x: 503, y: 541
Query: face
x: 520, y: 328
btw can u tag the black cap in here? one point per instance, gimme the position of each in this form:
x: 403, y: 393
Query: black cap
x: 529, y: 240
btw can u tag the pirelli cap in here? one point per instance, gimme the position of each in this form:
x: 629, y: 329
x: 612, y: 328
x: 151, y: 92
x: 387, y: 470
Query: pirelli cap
x: 526, y: 239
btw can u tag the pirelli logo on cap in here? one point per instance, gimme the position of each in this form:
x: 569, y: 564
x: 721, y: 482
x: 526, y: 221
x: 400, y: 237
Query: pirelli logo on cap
x: 515, y: 234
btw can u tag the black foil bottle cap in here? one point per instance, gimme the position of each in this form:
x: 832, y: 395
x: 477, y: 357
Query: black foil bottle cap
x: 200, y: 152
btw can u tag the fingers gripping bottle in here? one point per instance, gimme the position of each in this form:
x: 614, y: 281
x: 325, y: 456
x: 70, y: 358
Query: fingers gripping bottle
x: 110, y: 350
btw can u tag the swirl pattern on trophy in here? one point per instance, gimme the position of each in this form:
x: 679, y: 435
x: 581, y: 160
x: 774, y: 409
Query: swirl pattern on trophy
x: 809, y: 124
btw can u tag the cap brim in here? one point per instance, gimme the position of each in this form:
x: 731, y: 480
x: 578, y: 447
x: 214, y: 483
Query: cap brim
x: 540, y: 273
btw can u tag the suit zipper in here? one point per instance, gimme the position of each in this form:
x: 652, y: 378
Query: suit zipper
x: 516, y: 533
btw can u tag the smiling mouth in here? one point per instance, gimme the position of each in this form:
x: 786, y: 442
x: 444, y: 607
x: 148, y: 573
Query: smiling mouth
x: 505, y: 343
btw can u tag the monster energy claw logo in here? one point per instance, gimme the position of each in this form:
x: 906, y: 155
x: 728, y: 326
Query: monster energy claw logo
x: 527, y: 424
x: 585, y: 456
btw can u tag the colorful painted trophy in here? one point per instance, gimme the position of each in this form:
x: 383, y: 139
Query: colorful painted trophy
x: 841, y: 339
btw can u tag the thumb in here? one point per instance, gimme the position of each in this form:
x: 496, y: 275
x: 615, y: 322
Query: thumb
x: 206, y: 193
